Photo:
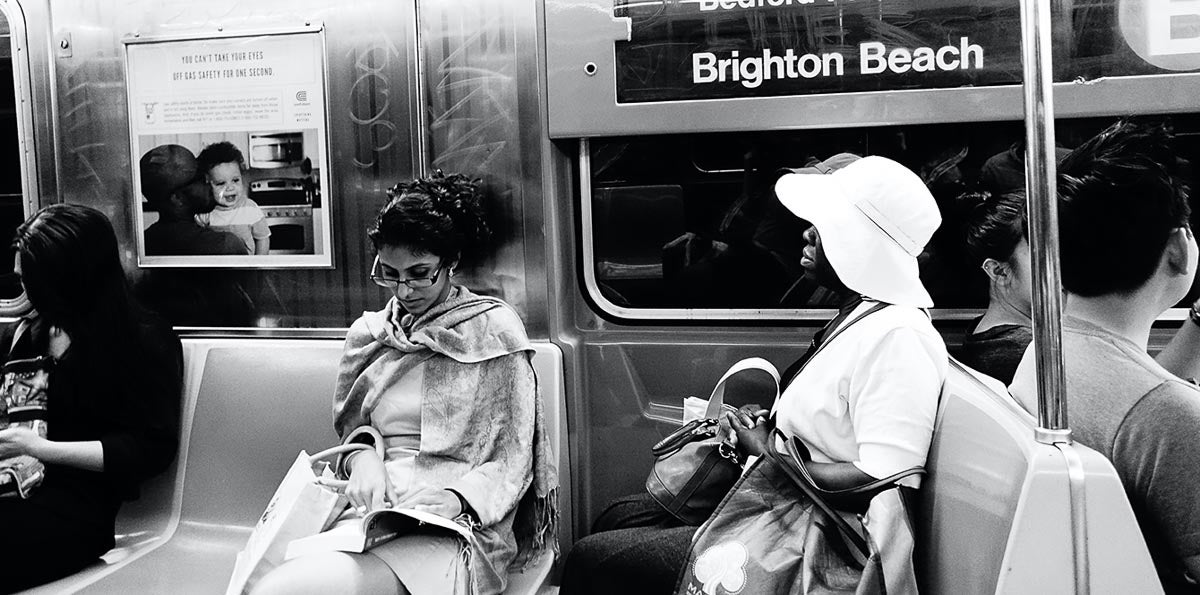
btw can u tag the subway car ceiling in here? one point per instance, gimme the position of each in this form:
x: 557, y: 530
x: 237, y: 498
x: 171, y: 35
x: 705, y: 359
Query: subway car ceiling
x: 630, y: 145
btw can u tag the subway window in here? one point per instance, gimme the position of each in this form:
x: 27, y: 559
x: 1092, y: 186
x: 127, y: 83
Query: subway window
x: 684, y: 222
x: 12, y: 200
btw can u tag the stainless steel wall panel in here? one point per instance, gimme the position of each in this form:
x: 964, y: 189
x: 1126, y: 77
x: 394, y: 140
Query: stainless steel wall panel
x: 483, y: 119
x: 372, y: 112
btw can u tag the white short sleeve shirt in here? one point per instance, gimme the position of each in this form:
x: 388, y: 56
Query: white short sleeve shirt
x: 870, y: 396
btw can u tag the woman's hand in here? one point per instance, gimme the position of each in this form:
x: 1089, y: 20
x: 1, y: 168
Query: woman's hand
x: 20, y: 441
x: 748, y: 416
x: 438, y: 501
x: 747, y: 429
x: 369, y: 488
x: 59, y: 342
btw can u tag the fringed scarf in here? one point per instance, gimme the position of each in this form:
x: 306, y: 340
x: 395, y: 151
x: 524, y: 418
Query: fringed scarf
x: 473, y: 402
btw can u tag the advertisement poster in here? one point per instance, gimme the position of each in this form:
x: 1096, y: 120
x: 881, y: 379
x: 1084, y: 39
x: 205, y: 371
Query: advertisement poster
x: 230, y: 151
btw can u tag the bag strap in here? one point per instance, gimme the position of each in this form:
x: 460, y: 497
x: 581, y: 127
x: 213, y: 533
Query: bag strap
x: 717, y: 399
x: 856, y: 541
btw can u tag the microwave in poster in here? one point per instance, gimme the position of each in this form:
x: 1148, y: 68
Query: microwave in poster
x: 230, y: 151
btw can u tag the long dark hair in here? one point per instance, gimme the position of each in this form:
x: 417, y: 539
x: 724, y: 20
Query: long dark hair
x: 71, y: 270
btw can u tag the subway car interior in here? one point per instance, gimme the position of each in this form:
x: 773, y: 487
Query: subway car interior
x: 628, y: 150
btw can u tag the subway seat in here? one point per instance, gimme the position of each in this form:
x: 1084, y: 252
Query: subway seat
x: 995, y: 515
x: 249, y: 406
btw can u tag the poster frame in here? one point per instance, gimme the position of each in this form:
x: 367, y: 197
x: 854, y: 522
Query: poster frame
x: 322, y: 259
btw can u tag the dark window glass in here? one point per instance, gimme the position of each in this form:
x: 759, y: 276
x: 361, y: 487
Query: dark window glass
x: 12, y: 201
x: 691, y: 221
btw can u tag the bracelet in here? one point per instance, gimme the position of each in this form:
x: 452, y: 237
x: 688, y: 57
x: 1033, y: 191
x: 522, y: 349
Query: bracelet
x: 1194, y: 313
x: 464, y: 508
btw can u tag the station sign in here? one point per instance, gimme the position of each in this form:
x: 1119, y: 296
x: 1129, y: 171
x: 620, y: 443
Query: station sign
x: 714, y: 49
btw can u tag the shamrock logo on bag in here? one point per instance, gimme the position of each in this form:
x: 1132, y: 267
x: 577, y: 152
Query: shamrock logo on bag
x: 722, y: 565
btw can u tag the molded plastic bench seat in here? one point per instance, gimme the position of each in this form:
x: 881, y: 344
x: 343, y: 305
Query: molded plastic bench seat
x: 249, y: 406
x: 995, y: 514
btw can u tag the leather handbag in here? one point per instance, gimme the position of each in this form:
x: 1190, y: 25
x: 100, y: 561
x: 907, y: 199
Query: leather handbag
x: 694, y: 467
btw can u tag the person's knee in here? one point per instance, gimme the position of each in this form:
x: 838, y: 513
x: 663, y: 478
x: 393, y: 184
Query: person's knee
x: 332, y: 572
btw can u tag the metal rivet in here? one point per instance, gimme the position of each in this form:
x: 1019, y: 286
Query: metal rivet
x: 64, y: 44
x: 590, y: 69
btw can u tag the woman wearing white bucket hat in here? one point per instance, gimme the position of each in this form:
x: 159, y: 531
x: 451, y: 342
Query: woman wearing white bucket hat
x: 865, y: 408
x: 864, y: 402
x: 867, y: 403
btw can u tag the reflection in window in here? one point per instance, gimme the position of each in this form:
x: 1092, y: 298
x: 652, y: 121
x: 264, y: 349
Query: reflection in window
x: 691, y: 221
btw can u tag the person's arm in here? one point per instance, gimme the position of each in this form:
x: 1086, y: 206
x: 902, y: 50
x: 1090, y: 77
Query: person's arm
x: 88, y: 455
x: 892, y: 399
x: 752, y: 440
x: 261, y: 232
x: 139, y: 432
x: 1157, y: 456
x: 21, y: 440
x: 1181, y: 356
x: 493, y: 488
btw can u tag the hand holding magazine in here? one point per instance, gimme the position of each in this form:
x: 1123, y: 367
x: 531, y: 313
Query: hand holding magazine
x: 376, y: 527
x: 23, y: 397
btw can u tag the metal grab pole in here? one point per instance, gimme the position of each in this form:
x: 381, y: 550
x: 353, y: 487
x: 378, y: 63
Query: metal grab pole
x: 1040, y: 174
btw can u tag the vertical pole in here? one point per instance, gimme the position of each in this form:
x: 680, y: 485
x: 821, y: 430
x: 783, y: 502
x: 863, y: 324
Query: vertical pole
x: 422, y: 141
x: 1040, y: 174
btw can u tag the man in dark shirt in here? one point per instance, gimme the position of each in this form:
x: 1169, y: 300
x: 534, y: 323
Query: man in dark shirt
x: 168, y: 174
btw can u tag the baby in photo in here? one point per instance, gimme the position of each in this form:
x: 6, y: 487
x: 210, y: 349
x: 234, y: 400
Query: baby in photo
x: 223, y: 166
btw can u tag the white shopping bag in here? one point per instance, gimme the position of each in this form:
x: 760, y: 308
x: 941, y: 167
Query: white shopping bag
x: 301, y: 507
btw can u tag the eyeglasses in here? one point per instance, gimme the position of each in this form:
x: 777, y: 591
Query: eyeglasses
x: 393, y: 282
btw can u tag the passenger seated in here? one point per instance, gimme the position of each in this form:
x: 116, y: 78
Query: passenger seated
x: 1122, y: 402
x: 444, y: 378
x: 113, y: 396
x: 865, y: 410
x: 224, y: 169
x: 997, y: 241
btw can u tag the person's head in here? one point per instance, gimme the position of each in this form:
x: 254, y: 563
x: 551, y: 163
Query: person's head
x: 1123, y: 215
x: 164, y: 170
x: 427, y: 228
x: 68, y: 260
x: 222, y: 165
x: 997, y: 237
x: 871, y: 220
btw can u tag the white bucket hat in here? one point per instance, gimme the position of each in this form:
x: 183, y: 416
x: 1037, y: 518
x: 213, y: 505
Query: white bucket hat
x: 874, y: 216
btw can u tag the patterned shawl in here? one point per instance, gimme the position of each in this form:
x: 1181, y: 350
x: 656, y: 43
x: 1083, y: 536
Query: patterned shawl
x: 482, y: 428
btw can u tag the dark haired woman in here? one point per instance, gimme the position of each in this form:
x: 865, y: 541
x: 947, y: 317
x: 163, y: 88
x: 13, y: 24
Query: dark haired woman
x: 113, y: 396
x: 997, y: 241
x: 443, y: 378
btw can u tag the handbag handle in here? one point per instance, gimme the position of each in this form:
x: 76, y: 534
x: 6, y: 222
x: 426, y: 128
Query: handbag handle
x: 717, y: 399
x: 339, y: 451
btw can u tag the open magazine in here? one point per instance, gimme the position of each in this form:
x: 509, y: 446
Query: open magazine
x: 23, y: 388
x: 376, y: 527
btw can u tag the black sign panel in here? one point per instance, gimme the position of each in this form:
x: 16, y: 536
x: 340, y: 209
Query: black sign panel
x: 709, y: 49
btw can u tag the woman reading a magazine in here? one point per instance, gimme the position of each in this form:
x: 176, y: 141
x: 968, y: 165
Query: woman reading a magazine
x: 442, y: 378
x: 112, y: 396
